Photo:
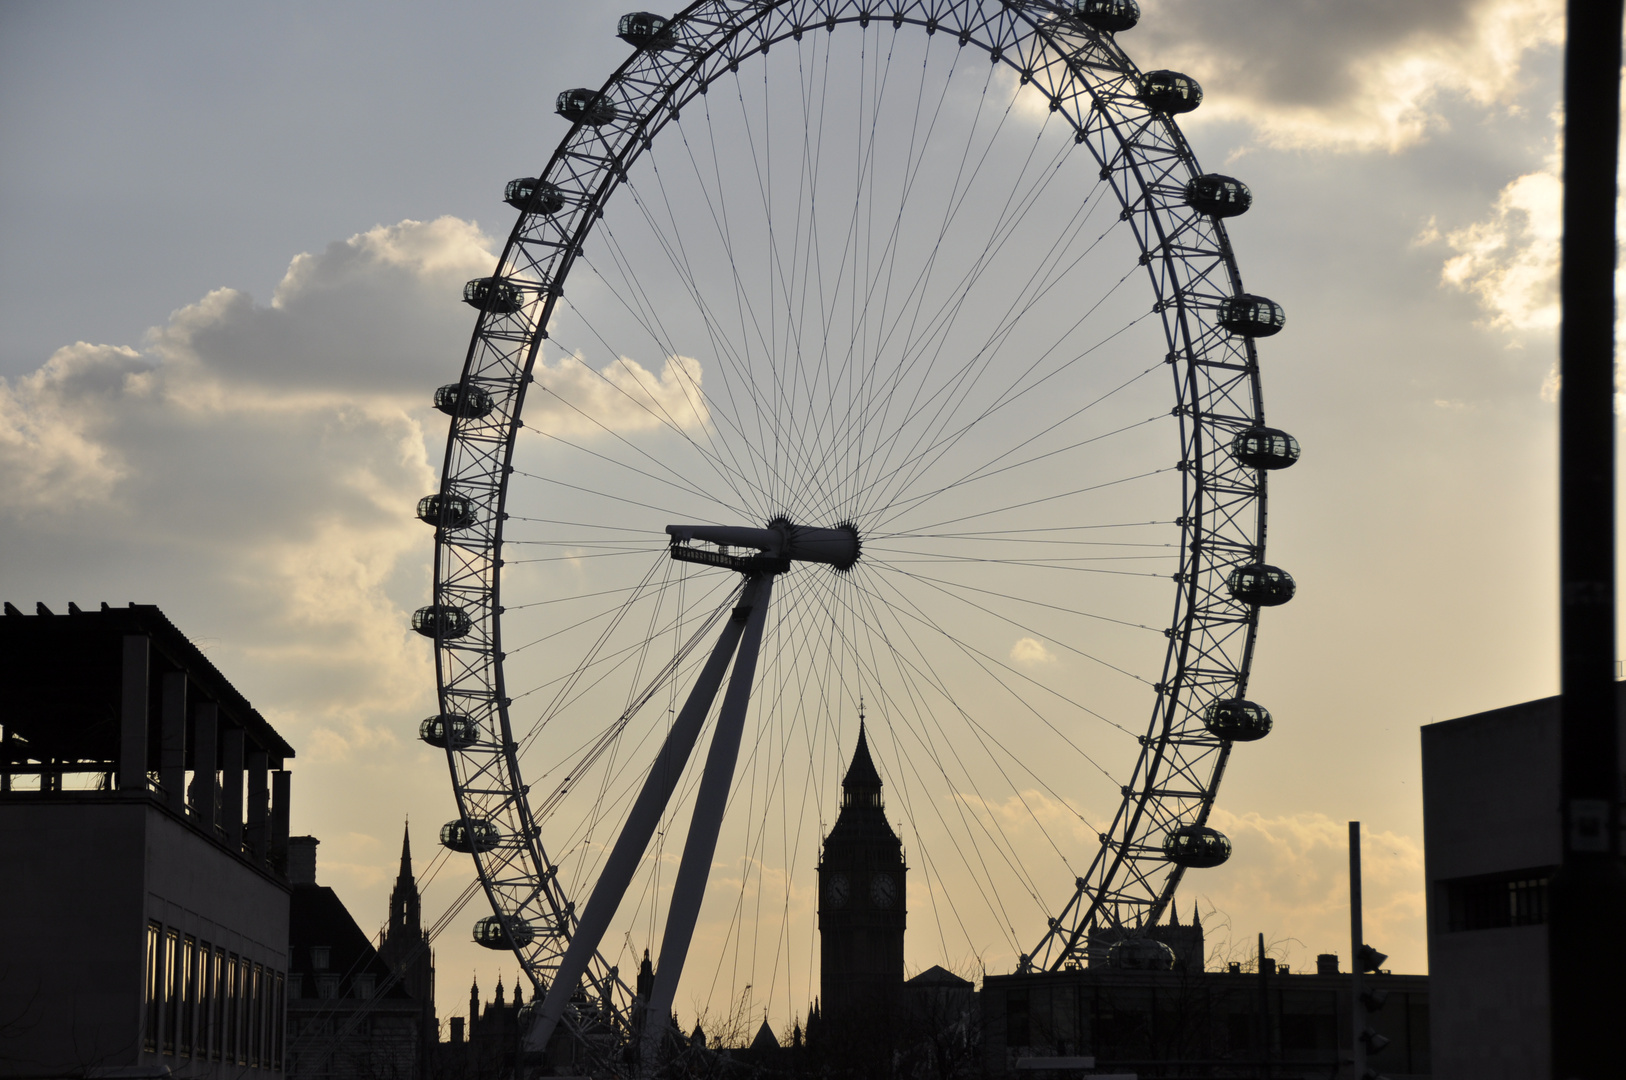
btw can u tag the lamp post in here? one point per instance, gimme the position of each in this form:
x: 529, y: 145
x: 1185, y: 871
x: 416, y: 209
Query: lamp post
x: 1586, y: 942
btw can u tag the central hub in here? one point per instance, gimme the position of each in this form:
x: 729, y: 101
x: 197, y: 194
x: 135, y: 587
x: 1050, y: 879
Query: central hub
x: 779, y: 544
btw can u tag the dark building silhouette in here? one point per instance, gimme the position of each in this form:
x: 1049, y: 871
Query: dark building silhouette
x: 487, y: 1046
x: 352, y: 1015
x: 862, y: 915
x: 406, y: 951
x: 1492, y: 839
x: 143, y: 909
x: 1235, y: 1024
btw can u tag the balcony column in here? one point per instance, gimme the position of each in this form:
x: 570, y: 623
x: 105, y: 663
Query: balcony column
x: 231, y: 791
x: 172, y: 742
x: 133, y: 715
x: 281, y: 786
x: 259, y: 804
x: 205, y: 762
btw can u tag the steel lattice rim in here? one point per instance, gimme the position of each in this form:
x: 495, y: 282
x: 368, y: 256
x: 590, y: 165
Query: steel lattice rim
x: 1191, y: 269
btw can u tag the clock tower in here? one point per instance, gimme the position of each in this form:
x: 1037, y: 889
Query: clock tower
x: 861, y: 910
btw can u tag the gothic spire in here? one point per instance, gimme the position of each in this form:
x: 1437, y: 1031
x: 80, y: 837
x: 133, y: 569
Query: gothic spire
x: 862, y: 784
x: 406, y: 852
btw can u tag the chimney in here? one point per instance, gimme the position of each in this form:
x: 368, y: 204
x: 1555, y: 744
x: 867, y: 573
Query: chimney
x: 1326, y: 964
x: 302, y: 860
x: 457, y: 1031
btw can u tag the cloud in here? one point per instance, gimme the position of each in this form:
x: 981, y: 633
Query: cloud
x: 1031, y: 652
x: 1358, y: 76
x: 254, y: 469
x: 1290, y: 874
x: 1509, y: 260
x: 372, y: 317
x: 572, y: 400
x: 47, y: 449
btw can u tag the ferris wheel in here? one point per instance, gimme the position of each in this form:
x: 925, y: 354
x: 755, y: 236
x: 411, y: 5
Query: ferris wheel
x: 849, y: 351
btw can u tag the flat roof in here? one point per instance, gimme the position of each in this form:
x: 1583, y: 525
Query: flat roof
x: 64, y: 678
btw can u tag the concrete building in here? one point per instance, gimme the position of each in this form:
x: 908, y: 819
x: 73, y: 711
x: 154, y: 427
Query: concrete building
x: 1491, y: 841
x: 143, y: 832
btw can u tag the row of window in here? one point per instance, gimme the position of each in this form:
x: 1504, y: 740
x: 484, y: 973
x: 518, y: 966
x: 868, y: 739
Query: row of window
x: 327, y: 986
x: 207, y: 1004
x: 1491, y: 902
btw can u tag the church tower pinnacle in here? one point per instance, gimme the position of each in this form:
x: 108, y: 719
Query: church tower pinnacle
x: 406, y: 946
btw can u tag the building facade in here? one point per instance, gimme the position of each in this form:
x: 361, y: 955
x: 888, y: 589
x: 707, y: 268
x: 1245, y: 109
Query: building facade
x: 143, y: 830
x: 1491, y: 833
x: 1232, y: 1024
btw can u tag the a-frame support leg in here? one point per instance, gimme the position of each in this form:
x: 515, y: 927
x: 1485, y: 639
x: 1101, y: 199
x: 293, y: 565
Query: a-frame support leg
x: 701, y: 844
x: 645, y: 816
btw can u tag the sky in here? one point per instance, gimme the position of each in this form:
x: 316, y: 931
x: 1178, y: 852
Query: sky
x: 231, y: 245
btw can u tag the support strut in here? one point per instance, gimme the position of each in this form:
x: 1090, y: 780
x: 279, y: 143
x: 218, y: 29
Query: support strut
x: 701, y: 844
x: 645, y: 816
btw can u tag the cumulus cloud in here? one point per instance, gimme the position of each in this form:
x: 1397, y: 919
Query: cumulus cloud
x: 1509, y: 260
x: 253, y: 469
x: 1360, y: 76
x: 575, y: 400
x: 1291, y: 875
x: 1031, y: 652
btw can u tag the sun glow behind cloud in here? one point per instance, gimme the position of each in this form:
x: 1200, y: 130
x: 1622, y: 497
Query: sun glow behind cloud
x: 1345, y: 77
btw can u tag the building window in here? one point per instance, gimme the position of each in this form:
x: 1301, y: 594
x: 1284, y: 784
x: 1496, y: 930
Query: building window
x: 234, y: 998
x: 278, y: 1011
x: 327, y: 986
x: 172, y: 988
x: 319, y: 957
x: 256, y: 1015
x: 189, y: 993
x: 155, y: 987
x: 363, y: 986
x: 208, y: 991
x: 1493, y: 901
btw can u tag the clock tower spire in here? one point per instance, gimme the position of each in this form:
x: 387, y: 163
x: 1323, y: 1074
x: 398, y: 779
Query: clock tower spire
x: 862, y: 910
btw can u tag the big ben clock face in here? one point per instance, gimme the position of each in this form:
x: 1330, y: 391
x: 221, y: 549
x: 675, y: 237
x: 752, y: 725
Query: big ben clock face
x: 883, y: 890
x: 837, y: 889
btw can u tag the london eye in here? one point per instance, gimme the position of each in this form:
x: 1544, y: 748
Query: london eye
x: 881, y: 355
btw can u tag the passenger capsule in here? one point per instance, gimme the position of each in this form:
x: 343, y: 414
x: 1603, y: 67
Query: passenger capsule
x: 519, y: 193
x: 441, y: 621
x: 479, y: 835
x: 469, y: 403
x: 1170, y: 92
x: 1237, y: 720
x: 492, y: 295
x: 1265, y: 448
x: 1108, y: 16
x: 1196, y: 847
x: 448, y: 729
x: 1218, y: 196
x: 1251, y: 316
x: 446, y: 511
x: 503, y: 932
x: 643, y: 30
x: 1141, y: 954
x: 585, y: 106
x: 1261, y: 585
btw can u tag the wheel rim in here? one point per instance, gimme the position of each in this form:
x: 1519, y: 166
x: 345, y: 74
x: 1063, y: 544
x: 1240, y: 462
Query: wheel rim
x: 1141, y: 164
